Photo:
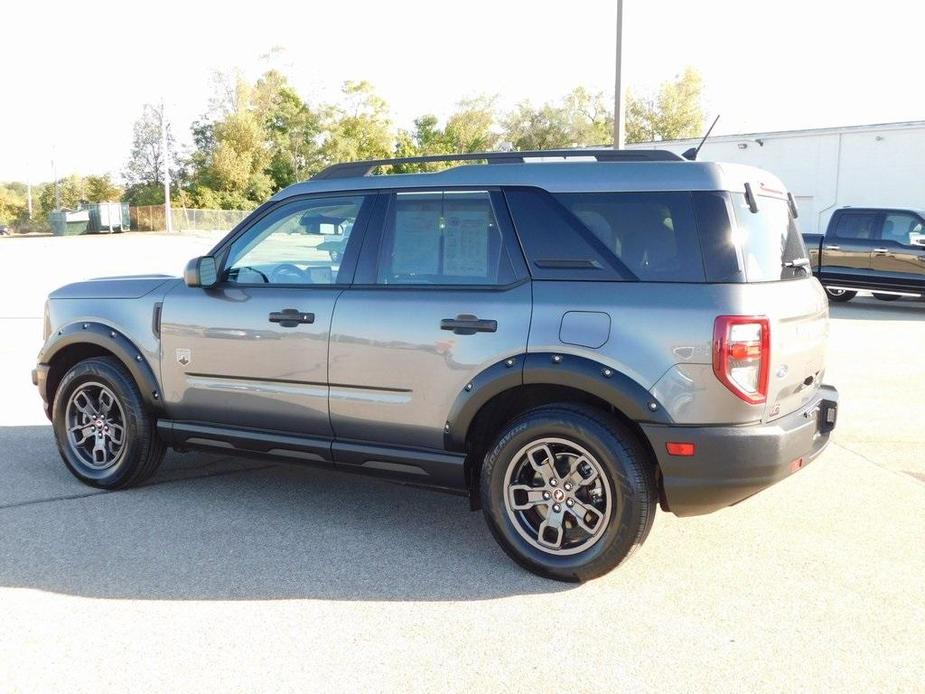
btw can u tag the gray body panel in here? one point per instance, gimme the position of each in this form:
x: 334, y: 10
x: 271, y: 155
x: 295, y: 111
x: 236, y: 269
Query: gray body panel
x: 395, y: 374
x: 243, y: 370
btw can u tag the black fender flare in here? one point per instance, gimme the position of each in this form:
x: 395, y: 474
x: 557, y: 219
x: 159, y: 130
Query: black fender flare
x: 112, y: 340
x: 550, y: 368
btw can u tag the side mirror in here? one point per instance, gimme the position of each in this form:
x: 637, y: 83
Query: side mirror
x: 201, y: 272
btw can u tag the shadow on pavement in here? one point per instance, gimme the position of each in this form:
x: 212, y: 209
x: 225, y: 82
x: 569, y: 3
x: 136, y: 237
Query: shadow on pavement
x: 868, y: 308
x: 221, y: 528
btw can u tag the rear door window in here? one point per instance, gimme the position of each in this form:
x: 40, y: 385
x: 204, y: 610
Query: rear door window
x: 443, y: 238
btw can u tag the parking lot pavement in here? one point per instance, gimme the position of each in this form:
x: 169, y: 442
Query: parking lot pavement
x: 235, y: 574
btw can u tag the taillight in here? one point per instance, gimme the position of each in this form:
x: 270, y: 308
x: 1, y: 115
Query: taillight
x: 742, y: 355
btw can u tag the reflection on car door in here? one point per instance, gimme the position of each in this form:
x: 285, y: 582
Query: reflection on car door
x: 846, y: 249
x: 898, y: 259
x: 252, y: 351
x: 442, y: 301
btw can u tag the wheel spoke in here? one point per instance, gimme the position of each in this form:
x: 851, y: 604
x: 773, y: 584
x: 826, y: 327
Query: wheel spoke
x: 100, y: 453
x: 575, y: 476
x: 116, y: 433
x: 551, y: 531
x: 105, y: 401
x: 533, y: 496
x: 586, y: 515
x: 86, y: 408
x: 543, y: 461
x: 85, y: 430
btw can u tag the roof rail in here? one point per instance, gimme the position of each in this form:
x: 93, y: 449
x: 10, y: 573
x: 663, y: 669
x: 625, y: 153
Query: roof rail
x: 365, y: 168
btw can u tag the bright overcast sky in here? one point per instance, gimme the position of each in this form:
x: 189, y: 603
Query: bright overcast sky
x: 74, y: 78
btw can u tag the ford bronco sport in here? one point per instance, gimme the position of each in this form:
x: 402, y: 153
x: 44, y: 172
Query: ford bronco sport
x: 569, y: 343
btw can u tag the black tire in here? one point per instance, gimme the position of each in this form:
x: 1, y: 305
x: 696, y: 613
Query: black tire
x: 627, y: 471
x: 840, y: 295
x: 141, y: 450
x: 886, y: 297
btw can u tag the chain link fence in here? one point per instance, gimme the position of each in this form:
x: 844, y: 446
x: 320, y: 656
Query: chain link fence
x: 152, y: 218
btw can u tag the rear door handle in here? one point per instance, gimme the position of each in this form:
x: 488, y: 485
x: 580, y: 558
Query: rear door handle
x: 881, y: 251
x: 465, y: 324
x: 833, y: 248
x: 291, y: 317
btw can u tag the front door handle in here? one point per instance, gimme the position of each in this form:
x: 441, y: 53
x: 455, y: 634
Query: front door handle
x: 465, y: 324
x: 832, y: 247
x: 291, y: 317
x: 881, y: 251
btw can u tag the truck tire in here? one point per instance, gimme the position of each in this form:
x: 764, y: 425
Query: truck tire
x: 886, y: 297
x: 105, y: 435
x: 568, y: 492
x: 840, y: 295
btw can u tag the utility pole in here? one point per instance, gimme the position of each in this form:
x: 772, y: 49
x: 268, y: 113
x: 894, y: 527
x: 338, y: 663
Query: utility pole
x: 54, y: 173
x: 29, y: 190
x: 165, y: 158
x: 619, y: 107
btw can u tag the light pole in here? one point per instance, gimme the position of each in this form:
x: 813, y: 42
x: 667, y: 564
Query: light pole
x: 619, y: 108
x: 165, y: 157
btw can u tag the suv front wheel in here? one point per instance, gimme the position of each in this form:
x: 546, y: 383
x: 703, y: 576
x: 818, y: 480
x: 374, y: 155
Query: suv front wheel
x: 568, y: 492
x: 104, y: 433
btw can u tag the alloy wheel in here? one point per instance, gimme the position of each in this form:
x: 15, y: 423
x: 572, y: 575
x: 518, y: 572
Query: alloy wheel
x: 557, y: 496
x: 95, y: 426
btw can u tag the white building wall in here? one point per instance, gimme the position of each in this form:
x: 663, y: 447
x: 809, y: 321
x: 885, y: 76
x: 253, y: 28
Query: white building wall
x: 876, y: 165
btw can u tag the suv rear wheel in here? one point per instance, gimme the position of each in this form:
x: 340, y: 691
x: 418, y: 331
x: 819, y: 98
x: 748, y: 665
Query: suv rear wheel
x: 104, y: 434
x: 568, y: 492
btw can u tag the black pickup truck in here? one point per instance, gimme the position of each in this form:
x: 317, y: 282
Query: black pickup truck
x: 874, y: 249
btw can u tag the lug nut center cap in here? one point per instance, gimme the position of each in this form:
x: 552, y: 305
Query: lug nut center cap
x: 558, y: 495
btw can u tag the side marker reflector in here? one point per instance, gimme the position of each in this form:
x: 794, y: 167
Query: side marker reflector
x: 680, y: 448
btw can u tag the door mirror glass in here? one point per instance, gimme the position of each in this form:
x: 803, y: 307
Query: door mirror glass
x: 201, y: 272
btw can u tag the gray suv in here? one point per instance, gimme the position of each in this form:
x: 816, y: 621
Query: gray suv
x: 569, y: 343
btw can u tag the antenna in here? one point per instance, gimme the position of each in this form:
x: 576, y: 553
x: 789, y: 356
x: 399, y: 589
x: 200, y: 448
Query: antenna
x: 691, y: 154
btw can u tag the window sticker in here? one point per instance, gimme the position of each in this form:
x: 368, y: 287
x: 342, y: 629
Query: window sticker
x: 465, y: 246
x: 416, y: 249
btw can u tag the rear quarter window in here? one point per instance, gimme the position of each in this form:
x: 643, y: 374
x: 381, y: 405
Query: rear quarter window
x: 653, y: 234
x: 648, y: 237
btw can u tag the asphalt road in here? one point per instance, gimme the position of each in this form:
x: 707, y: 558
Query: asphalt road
x: 240, y: 575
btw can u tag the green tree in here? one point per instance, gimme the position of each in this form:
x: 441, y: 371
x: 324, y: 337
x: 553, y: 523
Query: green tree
x: 470, y: 128
x: 359, y: 128
x: 12, y: 204
x: 72, y: 191
x: 674, y: 112
x: 292, y: 130
x: 580, y: 119
x: 146, y: 161
x: 102, y: 189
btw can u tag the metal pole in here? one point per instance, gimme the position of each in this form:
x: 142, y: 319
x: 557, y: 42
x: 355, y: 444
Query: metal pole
x: 54, y: 173
x: 619, y: 107
x: 165, y: 158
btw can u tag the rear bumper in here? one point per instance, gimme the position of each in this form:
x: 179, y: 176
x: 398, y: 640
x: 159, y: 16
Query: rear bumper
x: 732, y: 463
